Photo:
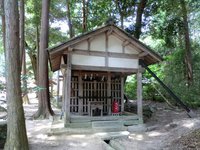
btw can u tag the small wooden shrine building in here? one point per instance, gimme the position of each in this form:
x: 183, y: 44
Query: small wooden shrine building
x: 94, y: 67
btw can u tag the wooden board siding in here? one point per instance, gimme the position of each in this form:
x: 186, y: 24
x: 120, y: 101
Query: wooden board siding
x: 84, y: 60
x: 98, y: 43
x: 123, y: 63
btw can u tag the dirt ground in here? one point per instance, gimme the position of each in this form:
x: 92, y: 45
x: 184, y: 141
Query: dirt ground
x: 166, y: 129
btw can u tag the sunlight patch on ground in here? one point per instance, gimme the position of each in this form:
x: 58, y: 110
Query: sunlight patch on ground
x: 152, y: 134
x: 138, y: 137
x: 41, y: 136
x: 188, y: 125
x: 101, y: 134
x: 78, y: 144
x: 78, y: 136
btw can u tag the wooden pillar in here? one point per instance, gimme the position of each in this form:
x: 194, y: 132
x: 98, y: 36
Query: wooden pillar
x: 106, y: 60
x: 67, y: 91
x: 80, y: 94
x: 63, y: 91
x: 109, y: 93
x: 58, y: 87
x: 122, y: 94
x: 139, y: 96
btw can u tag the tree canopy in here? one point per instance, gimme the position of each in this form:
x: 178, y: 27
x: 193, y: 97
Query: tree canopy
x: 170, y: 27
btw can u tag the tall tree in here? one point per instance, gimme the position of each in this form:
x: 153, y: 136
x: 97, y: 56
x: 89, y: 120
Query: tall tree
x: 69, y: 21
x: 21, y: 29
x: 188, y: 53
x: 16, y: 130
x: 85, y: 15
x: 3, y: 21
x: 125, y: 8
x: 44, y: 106
x: 138, y: 25
x: 23, y: 52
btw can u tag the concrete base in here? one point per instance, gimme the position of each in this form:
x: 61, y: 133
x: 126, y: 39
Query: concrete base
x: 111, y: 135
x: 137, y: 128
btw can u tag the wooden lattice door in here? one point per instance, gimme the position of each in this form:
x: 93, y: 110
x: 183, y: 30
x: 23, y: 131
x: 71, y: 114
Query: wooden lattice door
x: 94, y: 91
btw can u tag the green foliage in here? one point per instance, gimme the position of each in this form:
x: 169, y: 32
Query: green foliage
x: 131, y: 87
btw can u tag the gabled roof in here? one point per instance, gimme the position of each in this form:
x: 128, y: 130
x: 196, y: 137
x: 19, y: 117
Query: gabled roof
x: 147, y: 54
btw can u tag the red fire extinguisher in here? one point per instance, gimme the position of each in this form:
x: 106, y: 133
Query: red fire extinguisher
x: 115, y: 107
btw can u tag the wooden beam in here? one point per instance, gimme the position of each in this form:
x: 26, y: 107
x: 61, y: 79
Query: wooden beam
x: 142, y: 54
x: 126, y: 43
x: 89, y: 43
x: 139, y: 96
x: 68, y: 91
x: 122, y: 94
x: 103, y: 54
x: 132, y: 44
x: 106, y: 60
x: 109, y: 32
x: 91, y: 38
x: 109, y: 69
x: 70, y: 48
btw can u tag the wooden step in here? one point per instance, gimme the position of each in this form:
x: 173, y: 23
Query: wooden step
x: 80, y: 125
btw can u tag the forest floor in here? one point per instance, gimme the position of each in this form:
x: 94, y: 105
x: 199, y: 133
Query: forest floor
x: 167, y: 129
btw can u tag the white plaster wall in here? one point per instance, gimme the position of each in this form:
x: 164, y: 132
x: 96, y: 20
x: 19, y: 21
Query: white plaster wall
x: 123, y: 63
x: 114, y: 44
x: 130, y: 50
x: 98, y: 43
x: 88, y: 60
x: 83, y: 45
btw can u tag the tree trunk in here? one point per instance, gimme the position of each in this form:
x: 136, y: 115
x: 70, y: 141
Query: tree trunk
x: 21, y: 30
x: 16, y: 129
x: 69, y: 19
x: 138, y: 24
x: 33, y: 59
x: 84, y: 24
x: 117, y: 2
x: 44, y: 107
x: 3, y: 22
x: 188, y: 53
x: 23, y: 53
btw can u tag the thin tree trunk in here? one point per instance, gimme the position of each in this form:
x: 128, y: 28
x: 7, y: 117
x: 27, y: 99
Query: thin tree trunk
x: 138, y: 24
x: 16, y: 129
x: 44, y: 106
x: 188, y: 53
x: 117, y: 2
x: 21, y: 30
x: 3, y: 22
x: 33, y: 59
x: 84, y: 24
x: 69, y: 21
x: 23, y: 53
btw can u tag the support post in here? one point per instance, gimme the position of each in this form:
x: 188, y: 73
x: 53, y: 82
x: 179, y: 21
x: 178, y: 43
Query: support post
x: 139, y: 96
x: 80, y: 94
x: 109, y: 93
x: 58, y: 87
x: 67, y: 91
x: 122, y: 94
